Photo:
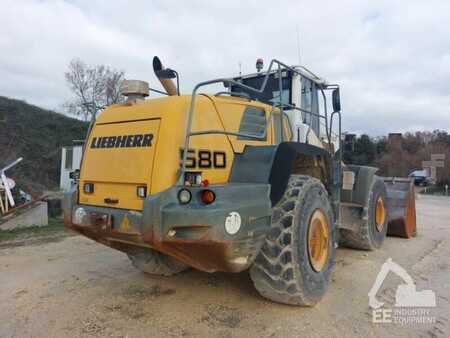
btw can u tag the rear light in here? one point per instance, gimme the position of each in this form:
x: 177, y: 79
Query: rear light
x: 207, y: 196
x: 141, y: 191
x: 88, y: 188
x: 184, y: 196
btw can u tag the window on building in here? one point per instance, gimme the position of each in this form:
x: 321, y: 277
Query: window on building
x: 68, y: 163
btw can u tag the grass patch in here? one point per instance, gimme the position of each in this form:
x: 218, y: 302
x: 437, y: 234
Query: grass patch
x: 54, y: 227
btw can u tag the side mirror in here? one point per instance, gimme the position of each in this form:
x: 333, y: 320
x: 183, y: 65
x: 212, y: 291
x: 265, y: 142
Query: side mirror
x: 336, y: 100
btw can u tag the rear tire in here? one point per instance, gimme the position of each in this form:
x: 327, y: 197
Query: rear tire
x: 156, y: 263
x: 288, y: 268
x: 372, y: 232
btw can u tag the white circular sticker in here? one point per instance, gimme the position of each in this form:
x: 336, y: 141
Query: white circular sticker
x: 79, y: 215
x: 233, y: 222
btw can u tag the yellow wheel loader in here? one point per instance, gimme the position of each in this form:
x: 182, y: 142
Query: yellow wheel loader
x: 247, y: 178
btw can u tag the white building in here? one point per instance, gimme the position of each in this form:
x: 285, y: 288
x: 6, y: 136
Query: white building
x: 70, y: 161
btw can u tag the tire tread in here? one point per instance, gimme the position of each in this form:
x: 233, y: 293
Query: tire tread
x: 156, y: 263
x: 273, y: 272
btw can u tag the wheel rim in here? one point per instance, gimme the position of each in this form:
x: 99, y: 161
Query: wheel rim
x: 380, y: 214
x: 318, y: 237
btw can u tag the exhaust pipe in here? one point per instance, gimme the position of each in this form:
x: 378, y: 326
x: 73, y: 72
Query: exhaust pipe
x: 166, y: 82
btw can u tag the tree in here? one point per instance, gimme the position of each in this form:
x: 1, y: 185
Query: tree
x: 364, y: 151
x: 94, y: 87
x: 401, y: 160
x: 441, y: 136
x: 412, y: 142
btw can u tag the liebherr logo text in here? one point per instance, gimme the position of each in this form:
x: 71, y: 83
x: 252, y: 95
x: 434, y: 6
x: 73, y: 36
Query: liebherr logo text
x: 122, y: 141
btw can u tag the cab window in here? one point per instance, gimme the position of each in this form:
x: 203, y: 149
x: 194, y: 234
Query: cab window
x: 253, y: 123
x: 310, y: 103
x: 271, y: 94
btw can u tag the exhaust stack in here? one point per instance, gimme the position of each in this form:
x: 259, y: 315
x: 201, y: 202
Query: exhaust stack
x: 166, y: 81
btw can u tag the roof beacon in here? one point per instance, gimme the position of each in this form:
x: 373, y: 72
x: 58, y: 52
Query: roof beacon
x: 259, y: 64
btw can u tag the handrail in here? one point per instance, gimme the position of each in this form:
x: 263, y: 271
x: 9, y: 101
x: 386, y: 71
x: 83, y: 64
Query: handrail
x: 224, y: 132
x: 231, y: 81
x: 242, y: 95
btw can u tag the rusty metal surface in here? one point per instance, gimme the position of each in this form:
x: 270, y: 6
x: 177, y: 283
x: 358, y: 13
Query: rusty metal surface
x: 203, y: 246
x: 201, y: 253
x: 205, y: 255
x: 193, y: 234
x: 401, y: 207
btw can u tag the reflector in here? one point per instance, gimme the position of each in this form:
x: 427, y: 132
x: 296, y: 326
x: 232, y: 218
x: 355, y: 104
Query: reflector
x: 208, y: 196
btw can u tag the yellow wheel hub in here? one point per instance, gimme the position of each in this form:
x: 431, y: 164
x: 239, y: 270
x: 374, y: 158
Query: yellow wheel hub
x: 380, y: 214
x: 318, y: 238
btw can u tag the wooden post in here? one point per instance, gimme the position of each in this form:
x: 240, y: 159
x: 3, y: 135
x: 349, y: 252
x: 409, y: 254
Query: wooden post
x: 2, y: 208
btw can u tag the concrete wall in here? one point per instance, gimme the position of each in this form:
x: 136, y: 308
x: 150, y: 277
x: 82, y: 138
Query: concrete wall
x: 37, y: 215
x: 65, y: 181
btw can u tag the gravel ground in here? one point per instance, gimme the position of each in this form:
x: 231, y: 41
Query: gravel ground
x: 69, y: 286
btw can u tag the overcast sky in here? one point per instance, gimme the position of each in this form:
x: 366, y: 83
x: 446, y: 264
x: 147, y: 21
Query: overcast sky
x: 391, y: 58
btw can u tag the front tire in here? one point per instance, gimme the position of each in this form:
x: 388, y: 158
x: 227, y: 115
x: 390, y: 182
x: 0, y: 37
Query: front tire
x: 295, y: 263
x: 156, y: 263
x: 372, y: 232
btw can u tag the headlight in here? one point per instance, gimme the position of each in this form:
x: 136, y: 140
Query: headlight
x: 184, y: 196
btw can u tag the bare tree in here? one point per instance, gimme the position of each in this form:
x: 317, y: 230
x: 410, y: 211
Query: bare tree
x: 94, y: 87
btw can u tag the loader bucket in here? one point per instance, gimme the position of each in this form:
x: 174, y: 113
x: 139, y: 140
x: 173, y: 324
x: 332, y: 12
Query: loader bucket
x: 401, y: 207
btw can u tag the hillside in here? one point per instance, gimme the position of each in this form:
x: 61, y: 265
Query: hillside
x: 36, y: 135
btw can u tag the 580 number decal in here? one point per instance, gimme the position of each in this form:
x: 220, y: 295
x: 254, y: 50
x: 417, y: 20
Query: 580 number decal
x: 205, y: 159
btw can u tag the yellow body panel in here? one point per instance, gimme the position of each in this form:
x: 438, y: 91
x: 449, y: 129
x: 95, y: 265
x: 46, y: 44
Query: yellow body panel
x: 107, y: 167
x: 107, y: 164
x: 117, y: 171
x: 231, y: 115
x: 171, y: 142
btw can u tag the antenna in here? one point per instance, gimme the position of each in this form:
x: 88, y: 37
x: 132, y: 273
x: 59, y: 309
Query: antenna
x: 240, y: 68
x: 298, y: 45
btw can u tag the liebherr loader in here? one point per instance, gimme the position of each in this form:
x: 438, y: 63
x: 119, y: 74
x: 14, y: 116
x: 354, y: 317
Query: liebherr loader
x: 248, y: 178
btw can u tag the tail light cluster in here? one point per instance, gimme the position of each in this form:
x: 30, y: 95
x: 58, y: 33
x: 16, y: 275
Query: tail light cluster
x: 206, y: 196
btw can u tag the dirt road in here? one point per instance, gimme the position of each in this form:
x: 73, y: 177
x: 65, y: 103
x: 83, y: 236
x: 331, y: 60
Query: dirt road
x: 71, y: 286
